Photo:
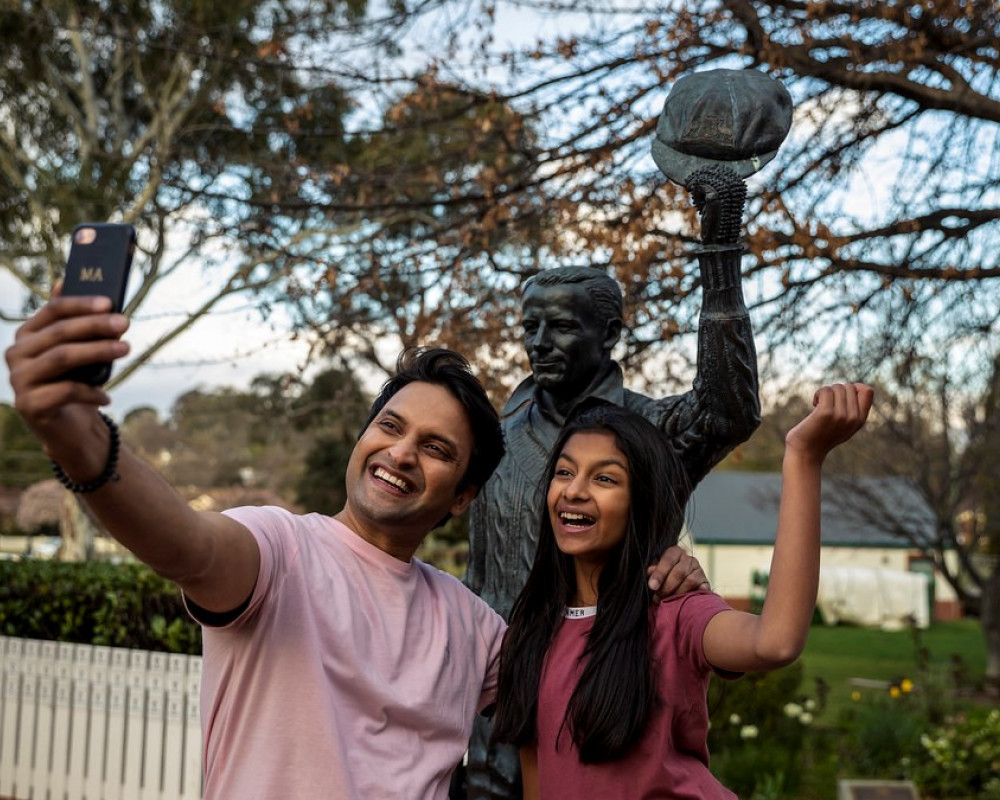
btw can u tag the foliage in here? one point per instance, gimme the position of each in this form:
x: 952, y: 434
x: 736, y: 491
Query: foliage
x: 406, y: 200
x: 22, y: 461
x: 447, y: 547
x: 924, y: 733
x: 119, y: 605
x: 765, y: 449
x: 321, y: 487
x: 409, y: 198
x: 284, y: 433
x: 882, y: 733
x: 442, y: 228
x: 757, y: 732
x: 889, y: 729
x: 186, y: 119
x: 772, y: 739
x: 961, y: 759
x: 331, y: 411
x: 877, y: 207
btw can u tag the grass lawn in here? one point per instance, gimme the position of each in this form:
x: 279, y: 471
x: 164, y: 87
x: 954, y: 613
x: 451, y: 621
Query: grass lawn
x: 838, y: 654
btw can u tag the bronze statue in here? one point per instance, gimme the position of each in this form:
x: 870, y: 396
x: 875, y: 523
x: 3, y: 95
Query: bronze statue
x: 717, y: 127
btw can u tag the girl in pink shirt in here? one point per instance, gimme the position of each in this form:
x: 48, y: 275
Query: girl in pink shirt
x: 604, y: 691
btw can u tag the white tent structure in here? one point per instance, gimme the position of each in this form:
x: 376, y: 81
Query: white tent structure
x: 889, y: 599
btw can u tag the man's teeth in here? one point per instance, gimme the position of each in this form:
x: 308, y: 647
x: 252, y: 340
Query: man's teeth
x: 399, y: 483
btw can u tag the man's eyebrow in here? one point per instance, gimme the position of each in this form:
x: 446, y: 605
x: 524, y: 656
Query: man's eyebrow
x: 444, y: 439
x: 447, y: 441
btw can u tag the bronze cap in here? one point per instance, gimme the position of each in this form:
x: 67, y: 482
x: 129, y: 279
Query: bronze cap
x: 725, y: 117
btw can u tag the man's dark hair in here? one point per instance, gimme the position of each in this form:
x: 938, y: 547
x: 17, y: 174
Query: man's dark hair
x: 448, y: 369
x: 603, y: 290
x: 611, y: 703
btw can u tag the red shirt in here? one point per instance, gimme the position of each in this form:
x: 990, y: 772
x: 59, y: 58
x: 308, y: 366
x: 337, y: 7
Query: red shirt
x: 671, y: 759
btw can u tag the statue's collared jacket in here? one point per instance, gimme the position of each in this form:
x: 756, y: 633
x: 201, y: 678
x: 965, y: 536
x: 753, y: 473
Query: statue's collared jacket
x: 719, y: 412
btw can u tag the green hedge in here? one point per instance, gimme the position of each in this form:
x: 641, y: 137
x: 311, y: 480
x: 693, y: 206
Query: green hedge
x: 120, y: 605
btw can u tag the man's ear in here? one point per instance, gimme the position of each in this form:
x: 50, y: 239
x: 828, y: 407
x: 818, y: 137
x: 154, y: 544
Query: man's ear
x: 612, y: 333
x: 463, y: 499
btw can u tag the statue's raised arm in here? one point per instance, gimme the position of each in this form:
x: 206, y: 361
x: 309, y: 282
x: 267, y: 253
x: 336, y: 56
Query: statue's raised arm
x: 717, y: 128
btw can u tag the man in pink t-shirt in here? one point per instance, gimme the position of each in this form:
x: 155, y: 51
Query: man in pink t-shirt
x: 351, y: 673
x: 336, y: 664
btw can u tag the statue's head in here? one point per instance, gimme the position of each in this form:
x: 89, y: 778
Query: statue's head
x: 572, y: 319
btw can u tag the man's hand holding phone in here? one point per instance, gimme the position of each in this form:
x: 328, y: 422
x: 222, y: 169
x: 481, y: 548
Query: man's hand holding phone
x: 70, y: 336
x: 100, y: 258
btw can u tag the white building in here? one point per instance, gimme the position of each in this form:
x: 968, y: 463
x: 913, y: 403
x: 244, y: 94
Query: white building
x: 733, y: 516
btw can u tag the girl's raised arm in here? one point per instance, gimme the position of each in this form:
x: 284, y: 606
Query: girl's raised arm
x: 741, y: 642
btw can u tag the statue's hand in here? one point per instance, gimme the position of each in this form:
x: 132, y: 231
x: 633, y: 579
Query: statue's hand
x: 676, y: 573
x: 719, y: 195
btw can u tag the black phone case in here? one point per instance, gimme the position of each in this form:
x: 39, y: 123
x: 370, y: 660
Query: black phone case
x: 99, y: 268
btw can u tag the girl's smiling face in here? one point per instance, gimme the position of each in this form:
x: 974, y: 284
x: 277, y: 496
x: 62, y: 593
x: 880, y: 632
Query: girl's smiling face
x: 589, y: 496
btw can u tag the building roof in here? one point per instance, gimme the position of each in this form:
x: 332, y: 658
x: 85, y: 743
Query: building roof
x: 742, y: 508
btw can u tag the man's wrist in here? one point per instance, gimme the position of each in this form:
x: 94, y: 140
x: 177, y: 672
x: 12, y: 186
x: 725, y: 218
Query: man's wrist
x: 80, y: 444
x: 108, y: 473
x: 721, y: 279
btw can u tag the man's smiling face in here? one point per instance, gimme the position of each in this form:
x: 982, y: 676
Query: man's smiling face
x: 405, y: 470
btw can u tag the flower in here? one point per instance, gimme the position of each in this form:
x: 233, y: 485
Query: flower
x: 734, y: 719
x: 806, y: 718
x: 855, y: 695
x: 793, y: 710
x: 906, y: 686
x: 749, y: 732
x: 810, y: 704
x: 894, y: 691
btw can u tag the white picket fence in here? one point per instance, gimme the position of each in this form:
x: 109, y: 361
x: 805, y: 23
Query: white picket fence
x: 97, y: 723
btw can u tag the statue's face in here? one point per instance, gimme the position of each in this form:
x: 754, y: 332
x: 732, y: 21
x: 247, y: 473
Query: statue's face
x: 566, y: 343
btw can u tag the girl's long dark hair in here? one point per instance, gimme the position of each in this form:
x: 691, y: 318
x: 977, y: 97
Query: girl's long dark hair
x: 610, y: 705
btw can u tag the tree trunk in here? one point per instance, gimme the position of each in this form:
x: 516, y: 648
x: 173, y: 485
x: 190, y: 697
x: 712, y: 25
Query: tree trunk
x: 77, y: 529
x: 990, y: 620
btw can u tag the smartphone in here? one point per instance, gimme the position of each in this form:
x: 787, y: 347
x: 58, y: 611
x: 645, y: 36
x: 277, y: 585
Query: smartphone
x: 100, y: 257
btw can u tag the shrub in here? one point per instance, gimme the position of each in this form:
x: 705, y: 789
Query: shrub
x: 120, y: 605
x: 962, y: 758
x: 881, y: 734
x: 759, y: 727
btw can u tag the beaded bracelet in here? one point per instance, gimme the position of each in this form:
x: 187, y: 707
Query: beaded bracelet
x: 108, y: 474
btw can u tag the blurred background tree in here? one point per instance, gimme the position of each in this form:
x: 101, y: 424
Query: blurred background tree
x: 285, y: 434
x: 936, y: 424
x: 176, y: 116
x: 22, y: 461
x: 394, y: 173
